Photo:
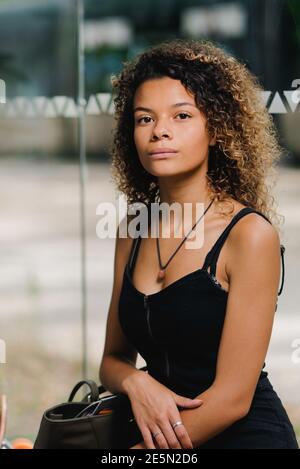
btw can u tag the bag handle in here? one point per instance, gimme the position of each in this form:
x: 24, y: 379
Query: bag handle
x: 94, y: 395
x: 95, y: 390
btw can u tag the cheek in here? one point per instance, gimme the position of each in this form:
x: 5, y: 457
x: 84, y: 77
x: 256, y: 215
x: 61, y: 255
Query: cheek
x: 139, y: 138
x: 195, y: 137
x: 140, y: 142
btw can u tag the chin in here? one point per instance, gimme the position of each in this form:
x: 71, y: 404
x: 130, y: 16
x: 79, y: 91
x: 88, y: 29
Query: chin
x: 161, y: 167
x: 163, y: 172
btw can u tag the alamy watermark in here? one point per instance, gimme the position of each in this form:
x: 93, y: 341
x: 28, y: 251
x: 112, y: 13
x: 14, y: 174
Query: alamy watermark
x: 2, y: 351
x: 2, y: 92
x: 177, y: 220
x: 296, y: 353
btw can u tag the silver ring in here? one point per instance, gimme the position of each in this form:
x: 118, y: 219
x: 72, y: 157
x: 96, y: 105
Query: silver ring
x: 176, y: 424
x: 155, y: 434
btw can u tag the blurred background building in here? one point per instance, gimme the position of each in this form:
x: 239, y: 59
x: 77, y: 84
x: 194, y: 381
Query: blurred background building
x: 55, y: 126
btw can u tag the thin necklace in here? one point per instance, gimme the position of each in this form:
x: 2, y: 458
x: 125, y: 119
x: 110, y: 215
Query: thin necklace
x: 161, y: 273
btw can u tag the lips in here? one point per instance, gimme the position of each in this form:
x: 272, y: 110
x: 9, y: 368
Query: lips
x: 159, y: 151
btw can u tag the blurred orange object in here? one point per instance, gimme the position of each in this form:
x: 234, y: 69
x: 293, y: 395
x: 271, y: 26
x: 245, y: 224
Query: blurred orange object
x: 22, y: 443
x: 105, y: 412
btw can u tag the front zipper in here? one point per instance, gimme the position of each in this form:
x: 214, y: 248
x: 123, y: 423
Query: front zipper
x: 146, y: 304
x: 147, y: 307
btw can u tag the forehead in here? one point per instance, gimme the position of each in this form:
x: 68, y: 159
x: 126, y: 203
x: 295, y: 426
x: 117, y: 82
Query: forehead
x: 165, y: 90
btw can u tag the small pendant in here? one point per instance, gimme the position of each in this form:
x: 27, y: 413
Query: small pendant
x: 161, y: 274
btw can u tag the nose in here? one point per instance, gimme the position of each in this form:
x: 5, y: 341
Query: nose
x: 160, y: 131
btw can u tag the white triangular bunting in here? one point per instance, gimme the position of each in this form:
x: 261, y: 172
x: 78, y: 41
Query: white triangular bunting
x: 49, y: 110
x: 30, y: 110
x: 277, y: 106
x: 20, y: 104
x: 104, y: 100
x: 10, y: 110
x: 40, y: 103
x: 92, y: 107
x: 59, y: 103
x: 70, y: 108
x: 265, y: 96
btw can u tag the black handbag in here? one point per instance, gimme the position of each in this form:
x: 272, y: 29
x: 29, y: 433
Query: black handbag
x: 95, y: 422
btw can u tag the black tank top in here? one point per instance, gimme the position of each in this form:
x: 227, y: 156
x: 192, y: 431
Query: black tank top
x: 177, y: 330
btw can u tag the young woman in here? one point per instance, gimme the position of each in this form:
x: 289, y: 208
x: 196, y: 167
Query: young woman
x: 201, y: 318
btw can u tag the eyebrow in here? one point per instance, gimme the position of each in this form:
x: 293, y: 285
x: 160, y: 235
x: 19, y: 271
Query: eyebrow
x: 139, y: 108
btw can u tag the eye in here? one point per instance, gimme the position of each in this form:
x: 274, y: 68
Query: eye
x: 141, y: 118
x: 148, y: 117
x: 183, y: 114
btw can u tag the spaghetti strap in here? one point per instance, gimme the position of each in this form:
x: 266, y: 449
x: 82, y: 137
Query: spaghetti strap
x: 212, y: 256
x: 133, y: 253
x: 136, y: 245
x: 282, y: 249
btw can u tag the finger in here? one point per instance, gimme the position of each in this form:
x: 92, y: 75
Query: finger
x: 159, y: 438
x: 170, y: 435
x: 181, y: 432
x: 183, y: 437
x: 186, y: 402
x: 147, y: 436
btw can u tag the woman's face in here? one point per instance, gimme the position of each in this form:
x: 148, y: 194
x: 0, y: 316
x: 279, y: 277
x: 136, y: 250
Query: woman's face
x: 164, y: 123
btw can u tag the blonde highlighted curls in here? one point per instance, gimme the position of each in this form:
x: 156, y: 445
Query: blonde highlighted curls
x: 242, y: 162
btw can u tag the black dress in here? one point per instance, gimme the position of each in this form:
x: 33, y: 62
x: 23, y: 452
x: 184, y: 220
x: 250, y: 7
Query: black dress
x: 177, y: 331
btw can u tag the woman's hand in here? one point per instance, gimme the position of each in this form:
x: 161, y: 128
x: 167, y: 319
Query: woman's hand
x: 155, y: 410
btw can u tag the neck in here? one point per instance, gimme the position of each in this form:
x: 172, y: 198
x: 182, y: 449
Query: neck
x: 186, y: 188
x: 190, y: 189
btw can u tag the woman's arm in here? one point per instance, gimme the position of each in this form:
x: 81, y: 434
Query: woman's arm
x: 254, y: 272
x: 119, y: 356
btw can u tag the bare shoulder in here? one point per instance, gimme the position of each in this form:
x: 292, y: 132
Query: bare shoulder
x: 253, y: 228
x: 253, y: 238
x: 250, y: 229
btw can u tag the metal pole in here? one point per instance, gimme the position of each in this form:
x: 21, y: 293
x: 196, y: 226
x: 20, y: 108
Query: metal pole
x: 82, y: 174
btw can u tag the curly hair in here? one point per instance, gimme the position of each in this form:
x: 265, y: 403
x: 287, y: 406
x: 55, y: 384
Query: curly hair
x: 241, y: 162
